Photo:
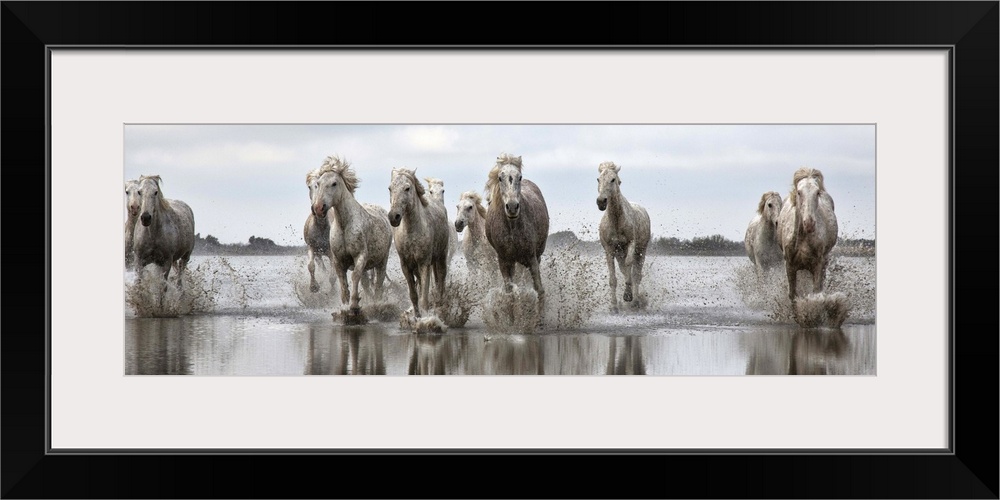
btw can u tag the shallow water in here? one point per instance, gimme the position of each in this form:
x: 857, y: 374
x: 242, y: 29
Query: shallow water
x: 702, y: 316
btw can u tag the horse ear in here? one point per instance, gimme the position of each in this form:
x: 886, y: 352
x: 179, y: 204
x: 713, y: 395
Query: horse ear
x: 618, y: 168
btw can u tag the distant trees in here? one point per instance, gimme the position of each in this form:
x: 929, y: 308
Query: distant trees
x: 210, y: 245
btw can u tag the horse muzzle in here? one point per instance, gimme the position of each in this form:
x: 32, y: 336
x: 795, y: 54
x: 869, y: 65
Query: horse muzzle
x: 602, y: 204
x: 512, y: 210
x: 320, y: 211
x: 146, y: 219
x: 395, y: 219
x: 809, y: 225
x: 459, y: 226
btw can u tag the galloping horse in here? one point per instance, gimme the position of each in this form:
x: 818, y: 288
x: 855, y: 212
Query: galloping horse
x: 132, y: 207
x: 624, y: 231
x: 360, y: 237
x: 480, y: 257
x: 761, y: 239
x: 420, y: 231
x: 517, y: 223
x: 435, y: 190
x: 316, y: 234
x: 165, y: 233
x: 807, y: 228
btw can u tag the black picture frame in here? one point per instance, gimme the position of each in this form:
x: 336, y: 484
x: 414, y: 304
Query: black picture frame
x: 968, y: 470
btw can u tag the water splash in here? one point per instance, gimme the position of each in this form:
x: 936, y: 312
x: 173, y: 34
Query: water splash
x: 822, y: 310
x: 573, y: 282
x: 849, y: 285
x: 328, y: 295
x: 428, y: 323
x: 150, y: 296
x: 511, y: 312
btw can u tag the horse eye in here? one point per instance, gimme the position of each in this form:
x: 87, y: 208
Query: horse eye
x: 334, y: 184
x: 155, y: 193
x: 768, y: 205
x: 139, y: 193
x: 407, y: 188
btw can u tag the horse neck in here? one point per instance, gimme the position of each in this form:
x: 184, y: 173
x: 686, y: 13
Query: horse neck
x: 616, y: 208
x: 347, y: 211
x: 477, y: 227
x: 415, y: 217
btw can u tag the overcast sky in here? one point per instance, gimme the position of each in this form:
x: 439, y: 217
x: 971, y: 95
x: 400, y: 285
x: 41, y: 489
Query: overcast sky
x: 695, y: 180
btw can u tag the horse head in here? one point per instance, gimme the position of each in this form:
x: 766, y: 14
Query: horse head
x: 150, y: 198
x: 435, y: 188
x: 769, y: 207
x: 132, y: 198
x: 405, y: 191
x: 808, y: 186
x: 505, y: 184
x: 607, y: 183
x: 467, y: 207
x: 329, y: 183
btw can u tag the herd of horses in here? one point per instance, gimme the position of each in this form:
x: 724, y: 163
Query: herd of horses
x: 511, y: 229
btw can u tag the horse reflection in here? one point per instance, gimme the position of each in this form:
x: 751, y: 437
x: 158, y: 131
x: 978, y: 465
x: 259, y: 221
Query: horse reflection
x: 627, y: 359
x: 817, y: 352
x: 514, y: 355
x: 798, y: 352
x: 158, y: 346
x: 345, y: 350
x: 433, y: 355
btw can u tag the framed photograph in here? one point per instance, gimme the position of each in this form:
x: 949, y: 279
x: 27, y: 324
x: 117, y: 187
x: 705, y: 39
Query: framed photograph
x: 254, y: 129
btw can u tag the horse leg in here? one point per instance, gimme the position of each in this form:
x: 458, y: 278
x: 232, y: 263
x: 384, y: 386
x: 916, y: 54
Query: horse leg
x: 440, y: 272
x: 330, y: 271
x: 411, y: 284
x: 507, y: 274
x: 792, y: 274
x: 536, y: 278
x: 379, y: 282
x: 366, y: 282
x: 359, y: 270
x: 640, y: 259
x: 313, y: 286
x: 612, y: 277
x: 627, y: 270
x: 819, y: 276
x: 621, y: 267
x: 345, y: 292
x: 425, y: 285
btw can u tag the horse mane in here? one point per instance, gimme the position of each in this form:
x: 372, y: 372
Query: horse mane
x: 411, y: 175
x: 805, y: 173
x: 340, y: 167
x: 493, y: 179
x: 477, y: 201
x: 606, y: 165
x: 157, y: 180
x: 763, y: 200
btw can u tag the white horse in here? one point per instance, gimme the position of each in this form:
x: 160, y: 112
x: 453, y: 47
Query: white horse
x: 165, y: 233
x: 517, y: 224
x: 807, y: 228
x: 360, y: 237
x: 420, y: 233
x: 480, y: 257
x: 132, y: 202
x: 316, y: 234
x: 761, y: 239
x: 435, y: 189
x: 624, y: 233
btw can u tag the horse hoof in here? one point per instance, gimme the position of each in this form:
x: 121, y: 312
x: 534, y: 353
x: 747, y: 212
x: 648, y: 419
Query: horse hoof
x: 314, y: 288
x: 627, y: 296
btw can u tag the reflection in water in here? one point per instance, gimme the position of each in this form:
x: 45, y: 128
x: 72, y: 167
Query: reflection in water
x: 346, y: 350
x: 799, y: 352
x: 817, y: 352
x: 159, y: 346
x: 628, y: 360
x: 239, y: 345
